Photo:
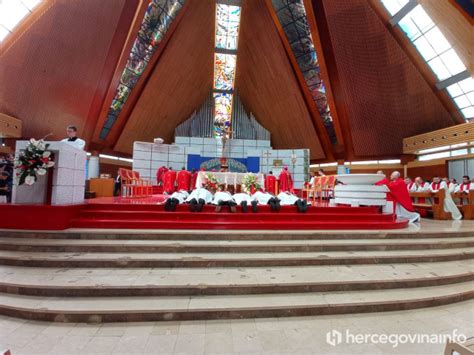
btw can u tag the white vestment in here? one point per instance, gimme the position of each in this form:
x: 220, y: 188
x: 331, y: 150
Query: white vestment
x: 200, y: 193
x: 238, y: 198
x: 411, y: 188
x: 287, y: 198
x: 401, y: 211
x: 449, y: 205
x: 223, y: 196
x: 262, y: 197
x: 181, y: 196
x: 78, y: 143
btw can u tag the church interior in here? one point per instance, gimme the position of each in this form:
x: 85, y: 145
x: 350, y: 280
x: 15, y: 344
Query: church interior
x: 236, y: 177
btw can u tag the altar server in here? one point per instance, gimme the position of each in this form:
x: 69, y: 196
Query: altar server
x: 400, y: 203
x: 169, y: 181
x: 285, y: 180
x: 73, y: 139
x: 160, y: 173
x: 270, y: 183
x: 183, y: 179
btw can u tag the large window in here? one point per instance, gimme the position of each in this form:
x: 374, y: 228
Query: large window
x: 225, y: 62
x: 12, y: 12
x: 438, y: 53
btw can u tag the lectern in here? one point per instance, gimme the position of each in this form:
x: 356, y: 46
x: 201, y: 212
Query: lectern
x: 66, y: 179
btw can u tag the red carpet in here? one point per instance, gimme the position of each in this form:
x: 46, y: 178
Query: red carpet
x: 149, y: 213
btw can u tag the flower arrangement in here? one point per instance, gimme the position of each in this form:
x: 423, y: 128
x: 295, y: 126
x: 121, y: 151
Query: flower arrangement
x: 34, y: 161
x: 250, y: 184
x: 211, y: 183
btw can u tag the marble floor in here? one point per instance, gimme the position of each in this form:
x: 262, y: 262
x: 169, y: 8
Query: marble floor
x: 305, y: 335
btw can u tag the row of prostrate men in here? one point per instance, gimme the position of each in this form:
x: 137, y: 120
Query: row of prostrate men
x: 180, y: 186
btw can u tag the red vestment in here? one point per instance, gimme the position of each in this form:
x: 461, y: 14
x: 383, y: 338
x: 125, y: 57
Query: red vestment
x: 183, y: 178
x: 159, y: 175
x: 169, y: 179
x: 382, y: 182
x: 270, y: 184
x: 194, y: 177
x: 410, y: 185
x: 285, y: 180
x: 465, y: 187
x: 435, y: 186
x: 399, y: 193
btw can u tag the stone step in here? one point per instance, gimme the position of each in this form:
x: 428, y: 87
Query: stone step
x: 157, y: 234
x: 177, y: 246
x: 177, y: 282
x: 60, y: 259
x: 121, y: 309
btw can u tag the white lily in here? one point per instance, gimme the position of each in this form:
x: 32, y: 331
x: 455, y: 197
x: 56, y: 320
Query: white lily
x: 46, y: 154
x: 41, y: 171
x: 30, y: 180
x: 50, y: 164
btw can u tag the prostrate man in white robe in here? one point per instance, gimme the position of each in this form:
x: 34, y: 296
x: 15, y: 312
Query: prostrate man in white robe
x: 176, y: 198
x: 224, y: 198
x: 288, y: 199
x: 243, y: 199
x: 198, y: 198
x: 73, y: 139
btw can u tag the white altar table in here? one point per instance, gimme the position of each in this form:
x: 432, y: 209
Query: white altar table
x: 227, y: 178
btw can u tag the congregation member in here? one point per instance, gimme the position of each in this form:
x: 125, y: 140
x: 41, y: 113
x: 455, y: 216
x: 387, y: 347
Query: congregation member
x: 465, y: 186
x: 169, y: 181
x: 410, y: 184
x: 451, y: 186
x: 435, y: 185
x: 73, y: 139
x: 285, y: 180
x: 183, y: 180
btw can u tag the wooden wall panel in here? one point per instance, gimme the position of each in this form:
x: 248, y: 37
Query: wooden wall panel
x: 267, y: 84
x: 385, y: 96
x: 180, y: 82
x: 427, y: 172
x: 50, y: 74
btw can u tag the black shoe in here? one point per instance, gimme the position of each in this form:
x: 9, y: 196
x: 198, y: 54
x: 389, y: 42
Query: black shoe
x: 200, y: 205
x: 168, y: 205
x: 254, y: 206
x: 193, y: 205
x: 299, y: 206
x: 174, y: 202
x: 244, y: 206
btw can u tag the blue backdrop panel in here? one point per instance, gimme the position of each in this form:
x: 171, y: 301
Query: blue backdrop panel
x: 253, y: 164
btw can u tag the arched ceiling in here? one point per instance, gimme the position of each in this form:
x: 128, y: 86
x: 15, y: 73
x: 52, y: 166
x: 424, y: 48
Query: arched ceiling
x: 59, y: 70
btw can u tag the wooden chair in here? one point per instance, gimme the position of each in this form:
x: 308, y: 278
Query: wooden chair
x: 133, y: 186
x: 323, y: 180
x: 328, y: 189
x: 436, y: 208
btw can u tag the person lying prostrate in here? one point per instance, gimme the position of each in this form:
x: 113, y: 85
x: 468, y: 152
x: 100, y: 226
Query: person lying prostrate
x: 400, y: 203
x: 244, y: 200
x: 224, y: 198
x: 200, y: 194
x: 262, y: 197
x: 175, y: 199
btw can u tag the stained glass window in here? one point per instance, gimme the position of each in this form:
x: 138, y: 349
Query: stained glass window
x: 225, y: 60
x: 292, y: 17
x: 224, y: 71
x: 12, y: 12
x: 227, y: 26
x: 158, y: 17
x: 223, y: 113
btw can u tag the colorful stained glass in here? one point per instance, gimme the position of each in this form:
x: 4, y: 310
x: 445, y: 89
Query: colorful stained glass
x: 292, y: 17
x: 222, y: 113
x: 224, y: 71
x: 158, y: 17
x: 227, y: 26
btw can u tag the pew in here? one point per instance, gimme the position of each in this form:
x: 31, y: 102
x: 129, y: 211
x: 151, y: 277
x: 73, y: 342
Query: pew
x: 466, y: 203
x: 437, y: 208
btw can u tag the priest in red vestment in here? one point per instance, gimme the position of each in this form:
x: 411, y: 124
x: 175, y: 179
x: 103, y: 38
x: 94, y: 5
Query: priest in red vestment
x: 194, y: 176
x: 270, y: 183
x: 285, y: 181
x: 183, y: 179
x: 160, y: 174
x: 400, y: 199
x: 169, y: 180
x: 384, y: 181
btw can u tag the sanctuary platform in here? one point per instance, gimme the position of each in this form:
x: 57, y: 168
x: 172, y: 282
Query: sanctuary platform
x: 149, y: 213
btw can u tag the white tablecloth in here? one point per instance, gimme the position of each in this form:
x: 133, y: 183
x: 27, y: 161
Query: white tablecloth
x: 228, y: 178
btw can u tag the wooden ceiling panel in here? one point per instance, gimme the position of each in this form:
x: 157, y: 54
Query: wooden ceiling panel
x: 50, y: 74
x: 180, y: 82
x: 267, y: 84
x: 385, y: 96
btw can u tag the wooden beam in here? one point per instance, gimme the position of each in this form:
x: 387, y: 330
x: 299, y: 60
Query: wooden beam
x: 109, y: 72
x: 313, y: 110
x: 418, y: 61
x: 9, y: 126
x: 313, y: 26
x: 337, y: 92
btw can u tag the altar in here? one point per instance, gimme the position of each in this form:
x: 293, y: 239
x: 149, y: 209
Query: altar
x: 227, y: 178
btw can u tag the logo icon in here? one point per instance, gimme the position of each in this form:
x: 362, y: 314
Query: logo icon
x: 333, y: 337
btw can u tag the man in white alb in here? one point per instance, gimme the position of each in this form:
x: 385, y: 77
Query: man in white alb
x: 73, y: 139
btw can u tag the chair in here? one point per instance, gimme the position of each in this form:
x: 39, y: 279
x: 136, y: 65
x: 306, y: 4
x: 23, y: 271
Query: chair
x: 322, y: 185
x: 328, y: 189
x: 133, y: 185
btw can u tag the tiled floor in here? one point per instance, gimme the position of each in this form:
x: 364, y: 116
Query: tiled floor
x: 306, y: 335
